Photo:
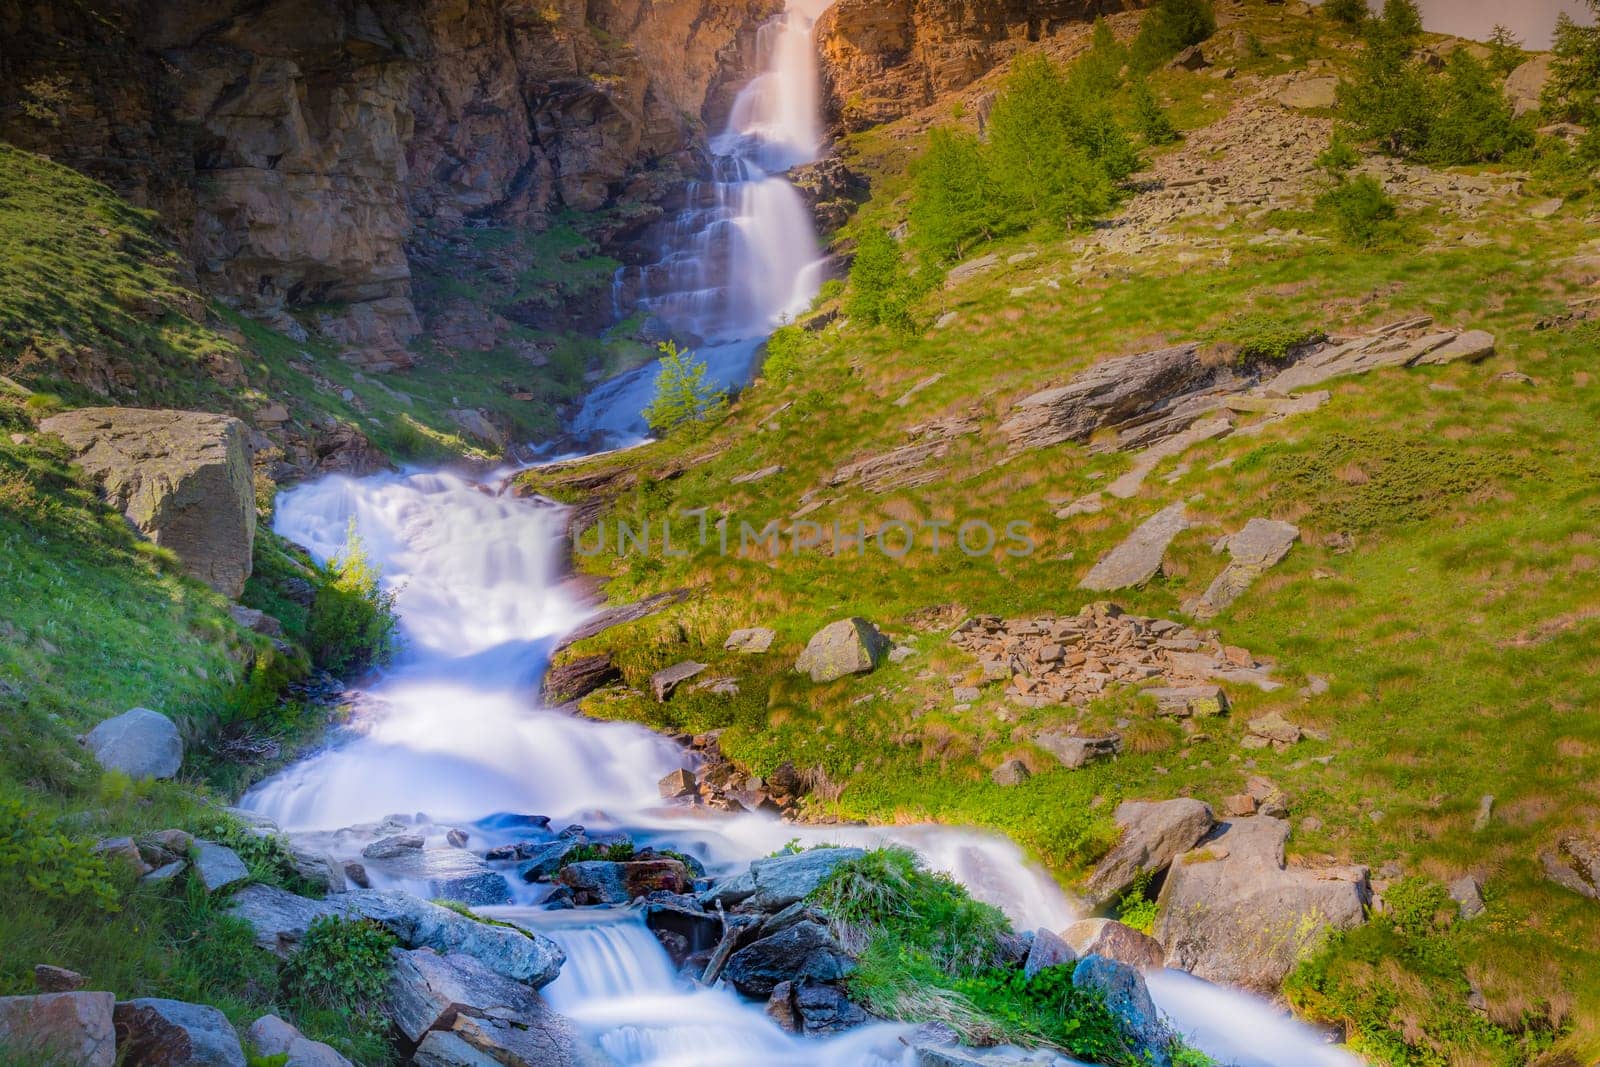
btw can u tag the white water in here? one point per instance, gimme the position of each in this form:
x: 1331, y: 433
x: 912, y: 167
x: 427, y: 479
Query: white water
x: 742, y: 256
x: 455, y: 735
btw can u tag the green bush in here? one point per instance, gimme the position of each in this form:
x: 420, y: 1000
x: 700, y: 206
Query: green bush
x: 1340, y: 158
x: 352, y: 618
x: 1391, y: 97
x: 1473, y: 121
x: 881, y: 291
x: 1169, y: 28
x: 1050, y: 1008
x: 1260, y: 338
x: 954, y: 204
x: 342, y: 967
x: 1350, y: 12
x: 1135, y: 908
x: 789, y: 350
x: 1401, y: 19
x: 1149, y: 118
x: 1359, y: 210
x: 683, y: 397
x: 1505, y: 51
x: 1573, y: 91
x: 51, y: 864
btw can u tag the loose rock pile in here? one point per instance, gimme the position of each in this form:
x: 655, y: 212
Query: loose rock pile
x: 1074, y: 660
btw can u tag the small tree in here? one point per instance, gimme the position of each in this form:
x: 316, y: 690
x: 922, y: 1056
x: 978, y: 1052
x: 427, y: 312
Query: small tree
x: 1505, y: 51
x: 1352, y: 13
x: 352, y: 619
x: 1474, y: 122
x: 1148, y: 116
x: 1170, y: 27
x: 880, y: 291
x: 683, y: 397
x: 953, y: 202
x: 1573, y: 91
x: 1391, y: 97
x: 1403, y: 19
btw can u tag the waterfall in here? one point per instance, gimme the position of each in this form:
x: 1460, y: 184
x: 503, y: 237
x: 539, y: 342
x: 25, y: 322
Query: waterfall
x: 742, y: 255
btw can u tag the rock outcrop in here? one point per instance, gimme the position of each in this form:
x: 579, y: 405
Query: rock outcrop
x: 152, y: 1030
x: 1153, y: 835
x: 63, y: 1028
x: 182, y: 478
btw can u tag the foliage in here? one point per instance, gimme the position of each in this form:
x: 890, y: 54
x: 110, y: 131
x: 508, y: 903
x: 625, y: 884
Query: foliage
x: 1050, y: 1008
x: 1340, y: 157
x: 1401, y: 19
x: 1149, y: 118
x: 954, y: 204
x: 1390, y: 98
x: 1262, y: 338
x: 1573, y: 91
x: 1353, y: 13
x: 789, y: 349
x: 881, y: 289
x: 1424, y: 1018
x: 50, y: 863
x: 1169, y: 28
x: 352, y: 618
x: 1136, y: 908
x: 683, y: 399
x: 1359, y: 209
x: 1505, y: 51
x: 1473, y: 121
x: 342, y: 966
x: 619, y: 852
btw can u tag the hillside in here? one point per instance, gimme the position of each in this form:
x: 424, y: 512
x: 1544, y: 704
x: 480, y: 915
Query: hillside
x: 1430, y: 630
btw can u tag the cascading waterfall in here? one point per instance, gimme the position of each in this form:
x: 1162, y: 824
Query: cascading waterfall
x: 743, y: 254
x: 453, y: 734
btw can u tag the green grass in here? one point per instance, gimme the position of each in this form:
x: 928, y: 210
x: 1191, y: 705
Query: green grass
x: 1446, y: 583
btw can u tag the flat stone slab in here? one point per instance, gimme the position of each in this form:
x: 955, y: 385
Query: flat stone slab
x: 754, y: 640
x: 217, y: 865
x: 663, y: 683
x: 1139, y: 558
x: 1258, y: 547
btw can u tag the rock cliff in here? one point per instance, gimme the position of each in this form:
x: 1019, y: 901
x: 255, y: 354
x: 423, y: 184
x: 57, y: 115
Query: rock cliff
x: 294, y: 145
x: 883, y: 59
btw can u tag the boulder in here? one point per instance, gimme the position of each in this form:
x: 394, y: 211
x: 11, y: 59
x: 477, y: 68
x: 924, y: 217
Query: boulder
x: 428, y: 990
x: 537, y: 1038
x: 774, y: 883
x: 451, y: 874
x: 577, y: 678
x: 1153, y: 835
x: 545, y: 860
x: 66, y: 1028
x: 1525, y: 85
x: 813, y: 1008
x: 755, y: 640
x: 1197, y: 701
x: 1467, y: 892
x: 1233, y: 912
x: 1474, y: 346
x: 122, y: 852
x: 1010, y: 773
x: 280, y: 920
x: 1127, y: 998
x: 1115, y: 941
x: 316, y: 867
x: 677, y: 784
x: 271, y: 1036
x: 1075, y: 753
x: 605, y: 882
x: 1138, y: 559
x: 217, y: 865
x: 389, y: 848
x: 849, y: 646
x: 1311, y: 94
x: 171, y: 1033
x: 1574, y: 864
x: 182, y: 478
x: 446, y: 1048
x: 139, y: 743
x: 256, y: 621
x: 664, y: 682
x: 51, y: 979
x: 1047, y: 950
x: 804, y: 951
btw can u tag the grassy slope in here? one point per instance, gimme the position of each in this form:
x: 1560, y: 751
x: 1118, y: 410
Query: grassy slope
x: 1456, y: 624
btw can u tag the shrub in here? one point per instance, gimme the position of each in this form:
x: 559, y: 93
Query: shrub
x: 342, y: 966
x: 1050, y: 1007
x: 953, y: 204
x: 683, y: 397
x: 1101, y: 67
x: 1135, y: 908
x: 1360, y: 211
x: 880, y: 291
x: 1402, y: 19
x: 789, y: 349
x: 1474, y: 122
x: 1505, y: 51
x: 1149, y: 118
x: 1573, y: 91
x: 1352, y: 13
x: 1169, y: 28
x: 1340, y: 158
x: 1391, y: 98
x: 352, y: 618
x: 51, y: 864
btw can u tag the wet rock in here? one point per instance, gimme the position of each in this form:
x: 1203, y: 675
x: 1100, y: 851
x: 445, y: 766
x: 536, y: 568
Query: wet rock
x: 774, y: 883
x: 1153, y: 835
x: 217, y: 865
x: 51, y: 979
x: 1126, y: 997
x: 389, y: 848
x: 1010, y: 773
x: 175, y: 1034
x: 357, y: 874
x: 65, y: 1028
x: 544, y: 860
x: 677, y: 784
x: 427, y: 990
x: 815, y: 1009
x: 804, y: 951
x: 1115, y: 941
x: 457, y: 839
x: 754, y: 640
x: 577, y: 678
x: 849, y: 646
x: 683, y: 918
x: 664, y: 683
x: 271, y: 1036
x: 1047, y: 950
x: 1139, y: 558
x: 1234, y: 913
x: 605, y: 882
x: 451, y: 874
x: 139, y: 743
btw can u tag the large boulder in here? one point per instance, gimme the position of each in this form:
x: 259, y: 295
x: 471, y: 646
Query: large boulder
x: 604, y: 882
x: 1233, y: 912
x: 271, y: 1036
x: 1114, y: 941
x: 804, y: 951
x: 183, y: 478
x: 280, y: 920
x: 171, y: 1033
x: 849, y: 646
x: 1138, y: 558
x: 774, y: 883
x: 1525, y: 85
x: 217, y: 865
x: 1127, y: 998
x: 427, y: 991
x: 140, y: 743
x: 540, y: 1039
x: 814, y: 1008
x: 1153, y: 835
x: 64, y: 1028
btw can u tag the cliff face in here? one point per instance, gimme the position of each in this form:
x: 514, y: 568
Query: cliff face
x: 883, y: 59
x: 295, y: 144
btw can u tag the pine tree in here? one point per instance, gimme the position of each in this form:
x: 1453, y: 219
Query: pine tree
x: 953, y: 200
x: 683, y: 397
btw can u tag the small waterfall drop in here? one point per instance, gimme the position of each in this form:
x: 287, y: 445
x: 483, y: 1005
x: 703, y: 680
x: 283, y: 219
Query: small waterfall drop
x: 742, y: 255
